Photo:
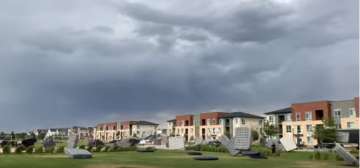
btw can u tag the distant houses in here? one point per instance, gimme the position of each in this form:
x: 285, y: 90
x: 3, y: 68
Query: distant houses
x: 124, y: 129
x: 209, y: 126
x: 296, y: 122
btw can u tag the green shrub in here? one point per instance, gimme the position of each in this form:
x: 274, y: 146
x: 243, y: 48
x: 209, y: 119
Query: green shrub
x: 6, y: 149
x: 98, y: 149
x: 89, y: 148
x: 39, y: 149
x: 325, y: 156
x: 317, y: 156
x: 338, y: 158
x: 60, y: 149
x: 19, y: 149
x: 82, y: 147
x: 50, y: 150
x: 29, y: 149
x: 209, y: 148
x: 263, y: 150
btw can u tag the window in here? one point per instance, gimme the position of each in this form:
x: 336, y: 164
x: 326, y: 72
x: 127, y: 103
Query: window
x: 298, y: 129
x: 297, y: 117
x: 309, y: 128
x: 260, y: 122
x: 308, y: 116
x: 352, y: 112
x: 288, y: 117
x: 243, y: 121
x: 288, y: 128
x: 214, y: 122
x: 350, y: 125
x: 309, y: 140
x: 271, y: 118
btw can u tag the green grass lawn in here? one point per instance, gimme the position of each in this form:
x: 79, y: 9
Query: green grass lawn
x: 162, y: 159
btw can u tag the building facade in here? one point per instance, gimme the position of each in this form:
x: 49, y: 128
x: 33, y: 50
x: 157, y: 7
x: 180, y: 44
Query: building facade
x: 276, y: 118
x: 305, y: 117
x: 123, y: 130
x: 346, y: 113
x: 171, y: 127
x: 208, y: 126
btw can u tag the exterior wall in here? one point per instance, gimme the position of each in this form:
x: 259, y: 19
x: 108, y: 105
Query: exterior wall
x: 306, y: 136
x: 344, y: 112
x: 252, y: 123
x: 142, y: 131
x: 185, y: 127
x: 350, y: 123
x: 210, y: 127
x: 106, y: 132
x: 302, y: 108
x: 170, y: 128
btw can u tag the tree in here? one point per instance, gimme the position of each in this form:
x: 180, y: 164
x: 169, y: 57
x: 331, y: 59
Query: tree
x: 326, y: 132
x: 270, y: 130
x: 20, y: 136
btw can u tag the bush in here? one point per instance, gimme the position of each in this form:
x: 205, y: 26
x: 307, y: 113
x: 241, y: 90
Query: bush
x: 6, y: 149
x: 29, y: 149
x: 38, y: 149
x: 255, y: 135
x: 105, y: 149
x: 317, y: 156
x: 82, y: 147
x: 50, y: 150
x: 60, y: 149
x: 338, y: 158
x: 19, y: 149
x: 209, y: 148
x: 264, y: 151
x: 89, y: 148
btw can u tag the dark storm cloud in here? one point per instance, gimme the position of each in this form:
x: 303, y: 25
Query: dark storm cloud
x: 96, y: 61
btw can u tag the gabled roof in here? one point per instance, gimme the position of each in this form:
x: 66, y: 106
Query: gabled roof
x: 142, y: 123
x: 241, y: 115
x: 173, y: 120
x: 280, y: 111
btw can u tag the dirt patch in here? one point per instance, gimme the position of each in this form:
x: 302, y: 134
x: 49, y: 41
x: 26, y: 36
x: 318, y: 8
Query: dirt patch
x: 116, y: 166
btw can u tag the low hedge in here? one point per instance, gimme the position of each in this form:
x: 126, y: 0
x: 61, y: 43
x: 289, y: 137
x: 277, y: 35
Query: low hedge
x: 209, y: 148
x: 19, y: 149
x: 29, y: 149
x: 6, y: 149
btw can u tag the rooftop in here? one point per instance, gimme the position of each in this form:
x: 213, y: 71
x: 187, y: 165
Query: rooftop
x: 280, y: 111
x: 241, y: 115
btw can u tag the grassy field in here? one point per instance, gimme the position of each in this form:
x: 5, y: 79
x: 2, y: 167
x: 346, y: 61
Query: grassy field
x: 162, y: 159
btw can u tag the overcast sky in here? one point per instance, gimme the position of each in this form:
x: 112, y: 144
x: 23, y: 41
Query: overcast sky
x: 79, y: 62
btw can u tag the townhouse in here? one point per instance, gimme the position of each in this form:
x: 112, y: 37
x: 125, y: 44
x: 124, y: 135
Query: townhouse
x: 83, y: 132
x: 300, y: 120
x: 171, y: 124
x: 125, y: 129
x: 230, y: 121
x: 209, y: 126
x: 106, y: 131
x: 277, y: 117
x: 137, y: 129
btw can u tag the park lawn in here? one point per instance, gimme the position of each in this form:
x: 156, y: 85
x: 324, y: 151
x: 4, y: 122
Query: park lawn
x: 162, y: 159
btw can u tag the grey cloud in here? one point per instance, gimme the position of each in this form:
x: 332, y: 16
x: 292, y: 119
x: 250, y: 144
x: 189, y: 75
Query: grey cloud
x: 152, y: 62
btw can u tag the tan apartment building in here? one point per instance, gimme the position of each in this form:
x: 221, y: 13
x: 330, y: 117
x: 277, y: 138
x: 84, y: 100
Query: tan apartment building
x: 209, y: 126
x: 136, y: 129
x: 346, y: 113
x: 106, y: 131
x: 305, y: 117
x: 276, y: 118
x: 231, y: 121
x: 185, y: 127
x: 171, y: 127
